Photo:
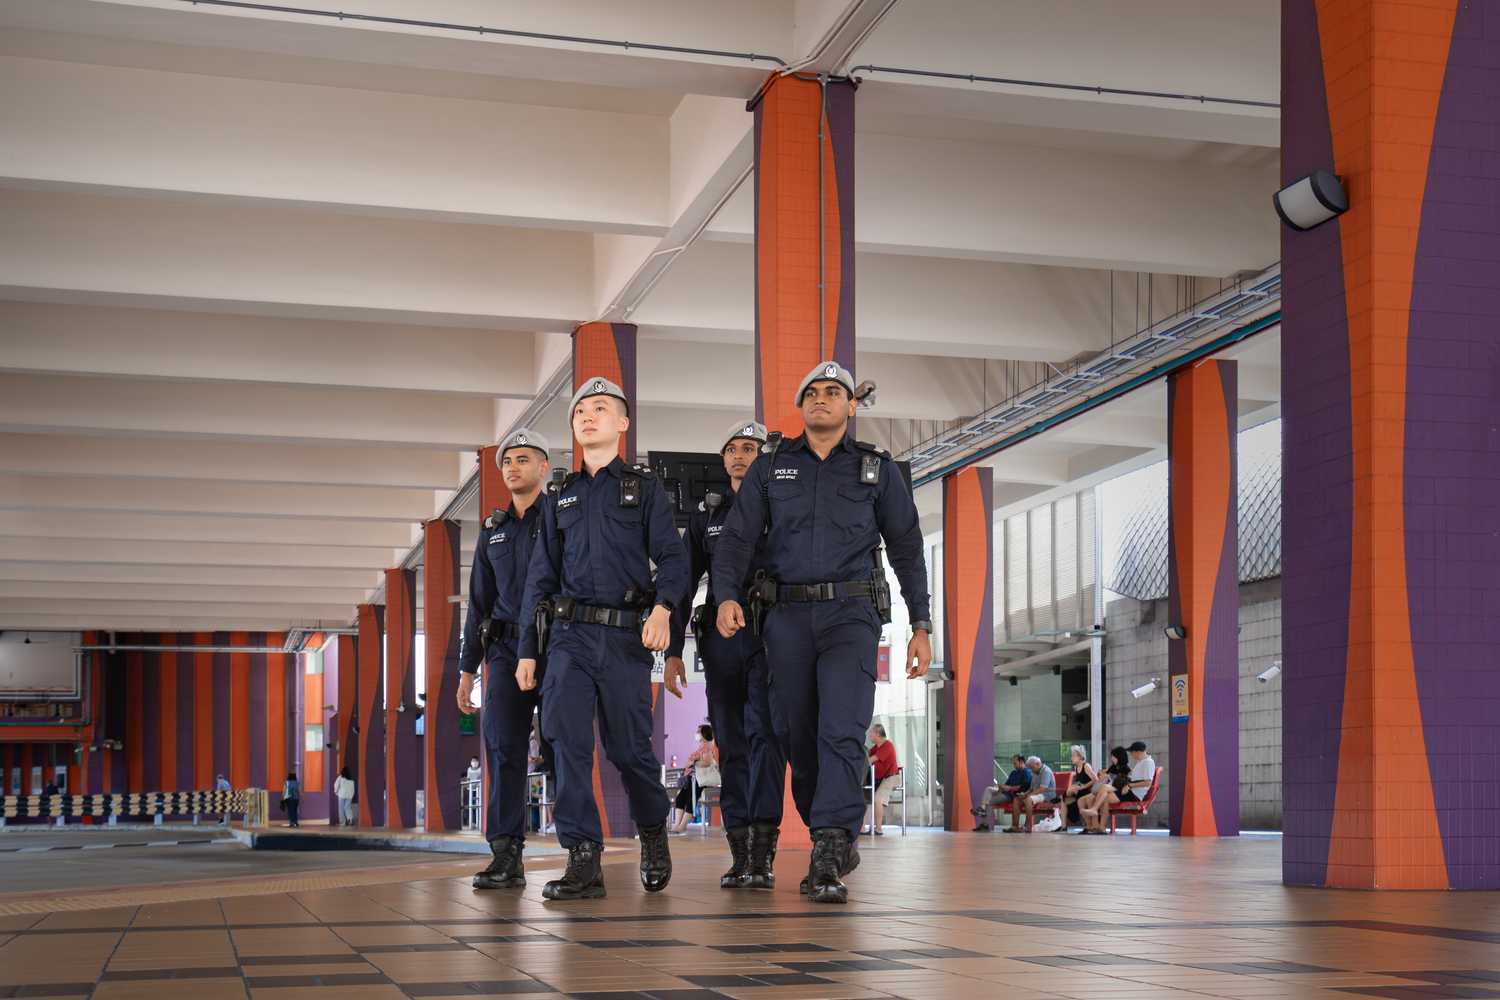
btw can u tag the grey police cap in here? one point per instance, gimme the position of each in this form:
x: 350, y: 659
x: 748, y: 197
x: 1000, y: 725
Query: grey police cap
x: 826, y: 371
x: 521, y: 437
x: 748, y: 429
x: 598, y: 386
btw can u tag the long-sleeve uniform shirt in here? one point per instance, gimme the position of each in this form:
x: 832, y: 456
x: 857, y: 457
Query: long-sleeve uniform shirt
x: 497, y: 580
x: 705, y: 528
x: 825, y: 521
x: 607, y: 546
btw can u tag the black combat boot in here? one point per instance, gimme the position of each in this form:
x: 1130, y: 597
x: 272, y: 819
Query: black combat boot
x: 656, y: 859
x: 739, y: 853
x: 830, y: 852
x: 763, y: 837
x: 505, y: 870
x: 850, y: 862
x: 584, y: 877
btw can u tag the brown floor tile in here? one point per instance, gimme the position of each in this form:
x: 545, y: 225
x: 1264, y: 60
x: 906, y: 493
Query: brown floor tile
x: 289, y: 941
x: 198, y: 989
x: 442, y: 967
x: 357, y: 936
x: 386, y: 992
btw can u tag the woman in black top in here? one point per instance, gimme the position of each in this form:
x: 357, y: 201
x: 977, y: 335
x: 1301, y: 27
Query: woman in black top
x: 1085, y: 780
x: 1107, y: 791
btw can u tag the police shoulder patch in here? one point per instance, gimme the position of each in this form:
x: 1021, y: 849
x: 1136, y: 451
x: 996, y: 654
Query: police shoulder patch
x: 642, y: 469
x: 872, y: 448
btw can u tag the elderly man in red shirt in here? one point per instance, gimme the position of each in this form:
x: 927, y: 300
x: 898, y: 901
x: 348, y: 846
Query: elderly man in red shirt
x: 883, y: 760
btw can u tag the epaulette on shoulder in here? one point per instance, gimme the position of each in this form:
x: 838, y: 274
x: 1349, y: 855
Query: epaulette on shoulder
x: 872, y: 448
x: 497, y: 517
x: 642, y: 469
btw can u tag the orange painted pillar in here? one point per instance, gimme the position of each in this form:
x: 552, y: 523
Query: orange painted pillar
x: 804, y: 257
x: 804, y: 260
x: 968, y: 643
x: 1203, y: 690
x: 446, y: 749
x: 370, y: 723
x: 1391, y: 506
x: 403, y: 761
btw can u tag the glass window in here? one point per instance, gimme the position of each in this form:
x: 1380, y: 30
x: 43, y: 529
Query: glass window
x: 313, y: 737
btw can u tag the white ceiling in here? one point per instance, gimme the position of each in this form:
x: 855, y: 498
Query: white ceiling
x: 267, y: 280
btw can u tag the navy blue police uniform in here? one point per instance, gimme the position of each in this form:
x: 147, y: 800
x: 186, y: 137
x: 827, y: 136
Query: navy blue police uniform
x: 497, y: 581
x: 751, y: 763
x: 823, y: 521
x: 599, y: 537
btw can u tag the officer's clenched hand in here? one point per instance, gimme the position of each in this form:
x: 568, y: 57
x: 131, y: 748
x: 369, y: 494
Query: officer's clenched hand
x: 466, y: 693
x: 920, y: 650
x: 676, y: 675
x: 656, y: 634
x: 526, y: 674
x: 731, y: 618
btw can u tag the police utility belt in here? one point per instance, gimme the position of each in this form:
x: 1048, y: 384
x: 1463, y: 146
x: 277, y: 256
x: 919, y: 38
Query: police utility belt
x: 492, y: 630
x: 565, y: 609
x: 765, y: 593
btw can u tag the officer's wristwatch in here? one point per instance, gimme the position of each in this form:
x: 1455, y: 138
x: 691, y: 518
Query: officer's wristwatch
x: 922, y: 627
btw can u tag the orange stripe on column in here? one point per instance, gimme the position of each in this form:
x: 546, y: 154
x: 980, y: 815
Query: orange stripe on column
x: 1385, y: 831
x: 203, y: 714
x: 276, y: 718
x: 239, y: 712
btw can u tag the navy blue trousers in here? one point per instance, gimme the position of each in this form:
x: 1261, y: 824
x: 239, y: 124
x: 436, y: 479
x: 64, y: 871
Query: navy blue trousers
x: 822, y: 682
x: 506, y: 724
x: 752, y: 764
x: 598, y: 671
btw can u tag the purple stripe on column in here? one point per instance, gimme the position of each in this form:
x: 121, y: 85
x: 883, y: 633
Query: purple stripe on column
x: 1452, y: 480
x: 257, y: 713
x: 185, y: 713
x: 840, y: 117
x: 1178, y: 746
x: 223, y: 717
x: 151, y: 721
x: 1317, y: 466
x: 1221, y: 667
x: 625, y: 349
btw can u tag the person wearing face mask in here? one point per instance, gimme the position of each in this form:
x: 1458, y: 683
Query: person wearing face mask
x: 492, y: 632
x: 751, y: 763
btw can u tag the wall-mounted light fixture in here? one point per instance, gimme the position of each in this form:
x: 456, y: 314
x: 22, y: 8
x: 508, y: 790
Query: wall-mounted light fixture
x: 1311, y: 201
x: 1079, y: 706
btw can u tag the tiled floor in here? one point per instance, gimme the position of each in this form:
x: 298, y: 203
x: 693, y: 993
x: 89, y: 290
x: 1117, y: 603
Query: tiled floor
x: 932, y: 915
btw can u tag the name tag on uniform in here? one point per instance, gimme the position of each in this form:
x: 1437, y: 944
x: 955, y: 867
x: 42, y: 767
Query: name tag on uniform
x: 713, y: 529
x: 785, y: 473
x: 497, y: 539
x: 565, y: 502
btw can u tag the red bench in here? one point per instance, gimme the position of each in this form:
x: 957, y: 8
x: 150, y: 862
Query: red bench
x: 1064, y: 779
x: 1135, y: 810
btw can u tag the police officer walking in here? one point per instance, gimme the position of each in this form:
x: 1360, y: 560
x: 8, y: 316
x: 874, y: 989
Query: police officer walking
x: 492, y: 633
x: 750, y: 758
x: 823, y: 502
x: 592, y: 567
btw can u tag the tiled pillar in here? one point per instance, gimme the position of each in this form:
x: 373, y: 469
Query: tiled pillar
x: 1390, y: 400
x: 609, y: 350
x: 804, y: 259
x: 968, y: 642
x: 370, y: 778
x: 804, y: 263
x: 446, y: 748
x: 1203, y: 686
x: 403, y: 760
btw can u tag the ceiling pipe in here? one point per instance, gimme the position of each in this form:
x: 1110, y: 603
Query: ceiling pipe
x: 1077, y: 87
x: 481, y: 29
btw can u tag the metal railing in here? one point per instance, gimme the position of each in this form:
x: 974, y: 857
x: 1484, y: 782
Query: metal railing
x: 252, y: 804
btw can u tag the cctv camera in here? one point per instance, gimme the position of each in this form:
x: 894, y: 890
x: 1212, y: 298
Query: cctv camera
x: 1271, y: 671
x: 1175, y: 632
x: 1145, y: 688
